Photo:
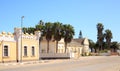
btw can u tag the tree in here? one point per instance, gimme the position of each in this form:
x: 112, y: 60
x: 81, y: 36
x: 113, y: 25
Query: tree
x: 57, y: 32
x: 96, y: 47
x: 104, y: 45
x: 108, y: 37
x: 48, y: 33
x: 28, y: 30
x: 91, y: 45
x: 41, y: 22
x: 80, y: 34
x: 100, y: 35
x: 40, y: 27
x: 24, y: 30
x: 31, y: 30
x: 68, y: 34
x: 114, y: 46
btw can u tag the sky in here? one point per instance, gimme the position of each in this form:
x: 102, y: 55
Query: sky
x: 83, y: 15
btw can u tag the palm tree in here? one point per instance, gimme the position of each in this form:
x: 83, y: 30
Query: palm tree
x: 91, y: 45
x: 48, y: 33
x: 57, y: 31
x: 108, y: 37
x: 100, y: 36
x: 40, y: 27
x: 28, y: 30
x: 41, y: 22
x: 68, y: 34
x: 114, y: 46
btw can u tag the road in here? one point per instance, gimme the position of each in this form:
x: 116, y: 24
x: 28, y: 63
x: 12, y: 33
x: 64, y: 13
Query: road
x: 98, y: 63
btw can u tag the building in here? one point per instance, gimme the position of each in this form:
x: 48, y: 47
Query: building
x: 18, y: 47
x: 13, y: 48
x: 75, y: 49
x: 78, y: 47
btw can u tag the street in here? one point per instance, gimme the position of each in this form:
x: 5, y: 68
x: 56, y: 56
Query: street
x: 92, y: 63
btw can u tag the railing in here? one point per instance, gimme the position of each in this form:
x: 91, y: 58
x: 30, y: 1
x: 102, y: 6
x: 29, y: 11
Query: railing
x: 54, y: 55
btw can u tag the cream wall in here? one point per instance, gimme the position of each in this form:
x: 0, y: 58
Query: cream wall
x: 61, y: 46
x: 0, y: 51
x: 29, y: 43
x: 86, y: 47
x: 75, y: 51
x: 43, y: 46
x: 11, y: 51
x: 13, y: 41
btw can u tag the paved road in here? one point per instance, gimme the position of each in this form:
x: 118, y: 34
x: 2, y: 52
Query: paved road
x: 105, y: 63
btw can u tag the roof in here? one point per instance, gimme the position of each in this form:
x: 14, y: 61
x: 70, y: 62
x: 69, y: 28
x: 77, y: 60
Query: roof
x: 76, y: 42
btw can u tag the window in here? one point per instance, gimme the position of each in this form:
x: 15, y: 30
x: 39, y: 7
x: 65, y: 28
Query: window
x: 33, y: 51
x: 5, y: 50
x: 25, y: 50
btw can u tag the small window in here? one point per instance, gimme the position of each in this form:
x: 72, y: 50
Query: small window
x: 25, y: 50
x: 5, y: 50
x: 33, y: 51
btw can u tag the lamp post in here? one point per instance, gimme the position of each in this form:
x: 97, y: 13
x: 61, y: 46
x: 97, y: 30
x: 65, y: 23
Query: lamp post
x: 21, y: 36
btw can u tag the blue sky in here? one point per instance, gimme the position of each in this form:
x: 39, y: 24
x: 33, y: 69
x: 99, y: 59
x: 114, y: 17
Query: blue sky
x: 81, y: 14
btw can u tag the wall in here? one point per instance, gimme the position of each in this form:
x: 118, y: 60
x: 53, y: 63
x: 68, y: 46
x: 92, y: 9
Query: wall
x: 43, y: 46
x: 29, y: 43
x: 11, y: 51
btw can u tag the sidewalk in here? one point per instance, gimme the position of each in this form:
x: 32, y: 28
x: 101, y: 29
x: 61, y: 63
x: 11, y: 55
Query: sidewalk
x: 23, y: 63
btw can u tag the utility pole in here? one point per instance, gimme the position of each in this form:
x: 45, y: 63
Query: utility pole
x: 21, y: 36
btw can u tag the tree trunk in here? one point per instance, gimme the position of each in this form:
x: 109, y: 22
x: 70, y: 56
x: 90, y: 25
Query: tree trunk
x: 56, y: 46
x: 47, y: 46
x: 95, y: 50
x: 65, y: 46
x: 100, y: 47
x: 91, y: 49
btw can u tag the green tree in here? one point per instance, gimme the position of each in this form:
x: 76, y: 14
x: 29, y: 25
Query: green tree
x: 104, y: 45
x: 40, y: 27
x: 24, y: 30
x: 80, y: 34
x: 57, y: 32
x: 48, y: 33
x: 100, y: 35
x: 31, y: 30
x: 41, y: 22
x: 91, y: 45
x: 108, y: 37
x: 114, y: 46
x: 96, y: 47
x: 28, y: 30
x: 68, y: 34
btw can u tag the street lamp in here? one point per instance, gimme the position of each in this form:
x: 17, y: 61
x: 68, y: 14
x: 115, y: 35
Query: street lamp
x: 21, y: 36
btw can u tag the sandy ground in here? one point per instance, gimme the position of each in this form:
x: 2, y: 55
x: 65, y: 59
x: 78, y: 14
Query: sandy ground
x: 92, y: 63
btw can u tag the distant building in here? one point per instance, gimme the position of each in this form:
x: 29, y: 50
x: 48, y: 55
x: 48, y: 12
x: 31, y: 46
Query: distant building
x: 75, y: 49
x: 78, y: 47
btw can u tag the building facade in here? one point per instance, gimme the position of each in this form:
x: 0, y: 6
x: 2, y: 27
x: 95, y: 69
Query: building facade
x: 79, y: 47
x: 19, y: 47
x: 75, y: 49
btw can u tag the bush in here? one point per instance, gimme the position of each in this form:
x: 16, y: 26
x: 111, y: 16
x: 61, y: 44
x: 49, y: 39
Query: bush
x: 103, y: 51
